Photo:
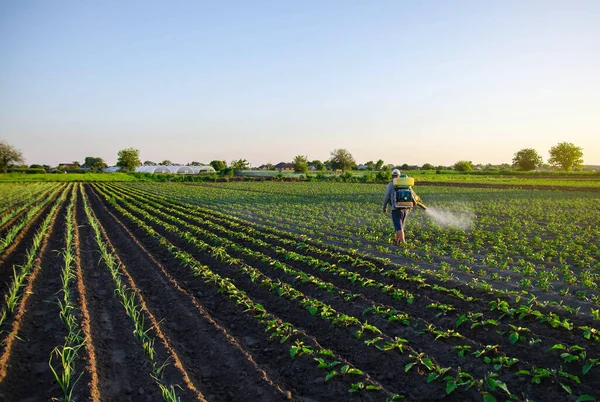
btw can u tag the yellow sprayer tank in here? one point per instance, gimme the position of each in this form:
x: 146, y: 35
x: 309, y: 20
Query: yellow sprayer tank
x: 404, y: 181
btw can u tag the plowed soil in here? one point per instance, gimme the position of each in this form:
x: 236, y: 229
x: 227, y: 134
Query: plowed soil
x: 217, y: 351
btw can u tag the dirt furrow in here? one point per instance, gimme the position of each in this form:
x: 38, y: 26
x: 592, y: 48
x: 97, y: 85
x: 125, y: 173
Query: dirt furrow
x: 90, y: 377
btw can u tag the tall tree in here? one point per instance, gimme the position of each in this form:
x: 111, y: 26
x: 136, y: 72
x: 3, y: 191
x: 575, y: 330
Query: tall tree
x: 566, y: 156
x: 9, y: 155
x: 527, y: 159
x: 239, y: 165
x: 379, y: 164
x: 318, y: 165
x: 463, y: 166
x: 95, y: 163
x: 218, y: 165
x: 166, y: 162
x: 128, y: 159
x: 342, y: 159
x: 300, y: 163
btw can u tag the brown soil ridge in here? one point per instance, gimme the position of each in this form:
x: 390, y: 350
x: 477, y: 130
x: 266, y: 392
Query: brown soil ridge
x: 82, y: 297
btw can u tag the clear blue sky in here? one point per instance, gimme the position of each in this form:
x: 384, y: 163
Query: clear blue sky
x: 405, y: 81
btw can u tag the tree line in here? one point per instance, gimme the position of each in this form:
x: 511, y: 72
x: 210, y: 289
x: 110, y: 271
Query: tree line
x: 564, y: 156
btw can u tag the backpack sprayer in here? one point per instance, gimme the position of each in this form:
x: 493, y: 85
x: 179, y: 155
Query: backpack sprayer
x: 403, y: 195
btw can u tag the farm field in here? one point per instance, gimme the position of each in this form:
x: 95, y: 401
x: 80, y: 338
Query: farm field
x: 272, y: 291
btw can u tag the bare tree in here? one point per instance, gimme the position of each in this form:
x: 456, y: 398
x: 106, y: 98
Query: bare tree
x: 9, y: 155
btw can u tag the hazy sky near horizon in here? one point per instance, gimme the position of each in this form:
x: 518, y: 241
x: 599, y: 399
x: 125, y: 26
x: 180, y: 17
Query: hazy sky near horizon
x: 405, y: 81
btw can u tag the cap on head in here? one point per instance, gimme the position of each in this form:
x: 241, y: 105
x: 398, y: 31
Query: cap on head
x: 395, y: 172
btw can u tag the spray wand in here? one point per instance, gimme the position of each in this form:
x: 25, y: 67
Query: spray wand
x: 421, y: 205
x: 418, y: 202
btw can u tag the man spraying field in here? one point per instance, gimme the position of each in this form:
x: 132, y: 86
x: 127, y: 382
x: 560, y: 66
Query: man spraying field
x: 401, y: 198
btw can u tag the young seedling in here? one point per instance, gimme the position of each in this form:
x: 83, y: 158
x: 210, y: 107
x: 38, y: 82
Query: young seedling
x: 570, y: 354
x: 299, y: 349
x: 462, y: 349
x: 420, y: 360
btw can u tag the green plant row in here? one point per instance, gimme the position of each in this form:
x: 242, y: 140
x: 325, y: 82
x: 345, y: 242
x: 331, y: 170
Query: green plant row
x: 65, y: 373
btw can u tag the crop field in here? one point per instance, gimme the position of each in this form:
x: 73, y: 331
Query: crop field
x: 274, y: 291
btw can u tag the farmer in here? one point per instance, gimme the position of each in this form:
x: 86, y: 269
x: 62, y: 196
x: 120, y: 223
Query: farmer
x: 399, y: 215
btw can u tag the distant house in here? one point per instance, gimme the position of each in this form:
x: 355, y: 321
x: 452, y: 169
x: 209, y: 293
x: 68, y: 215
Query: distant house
x: 312, y: 168
x: 362, y: 167
x: 284, y: 166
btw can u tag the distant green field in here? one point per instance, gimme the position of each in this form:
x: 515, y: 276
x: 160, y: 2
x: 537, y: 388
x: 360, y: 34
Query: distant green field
x: 66, y: 177
x: 573, y: 179
x: 569, y: 180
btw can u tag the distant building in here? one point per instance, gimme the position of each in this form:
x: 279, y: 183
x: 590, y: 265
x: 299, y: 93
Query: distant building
x: 284, y: 166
